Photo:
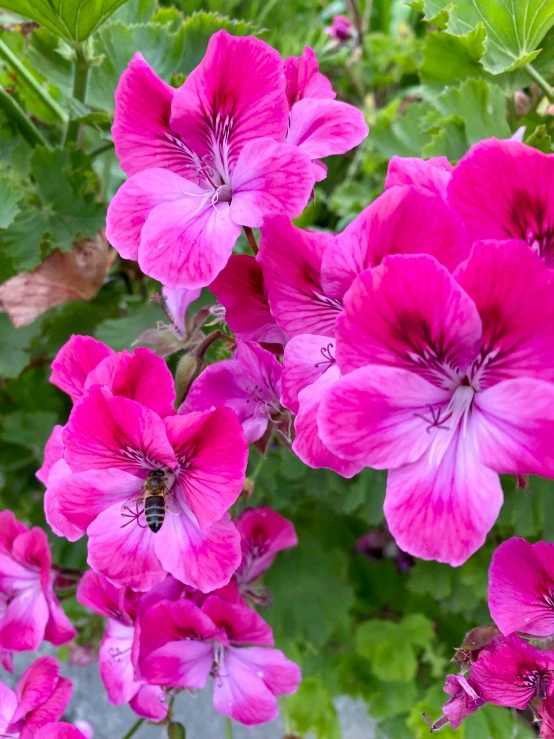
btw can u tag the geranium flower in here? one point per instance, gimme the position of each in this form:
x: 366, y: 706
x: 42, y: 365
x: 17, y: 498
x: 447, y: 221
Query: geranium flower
x: 249, y: 383
x: 521, y: 587
x: 29, y: 610
x: 510, y: 672
x: 341, y: 29
x: 504, y: 190
x: 40, y: 698
x: 181, y: 645
x: 447, y: 383
x: 121, y: 606
x: 464, y: 699
x: 204, y: 160
x: 111, y: 443
x: 62, y: 730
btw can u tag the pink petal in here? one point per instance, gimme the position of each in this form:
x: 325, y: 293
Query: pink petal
x: 141, y: 132
x: 59, y: 524
x: 183, y: 664
x: 517, y: 322
x: 306, y: 358
x: 126, y: 556
x: 443, y: 512
x: 10, y: 528
x: 270, y: 179
x: 74, y: 361
x: 104, y: 431
x: 36, y: 686
x: 381, y: 416
x: 178, y: 300
x: 24, y: 621
x: 8, y: 704
x: 141, y: 376
x: 61, y: 730
x: 308, y: 444
x: 546, y: 712
x: 103, y: 597
x: 136, y: 199
x: 212, y: 453
x: 6, y: 660
x: 515, y: 427
x: 403, y: 220
x: 409, y: 313
x: 264, y: 533
x: 431, y: 175
x: 53, y: 452
x: 188, y: 242
x: 202, y: 558
x: 50, y: 711
x: 304, y: 80
x: 325, y: 127
x: 505, y: 190
x: 150, y: 702
x: 241, y: 624
x: 116, y: 668
x: 291, y: 263
x: 280, y: 675
x: 235, y: 95
x: 239, y: 287
x: 59, y: 629
x: 521, y: 585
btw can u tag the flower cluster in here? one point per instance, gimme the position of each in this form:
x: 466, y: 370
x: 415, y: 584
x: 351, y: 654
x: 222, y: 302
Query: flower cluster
x: 498, y: 664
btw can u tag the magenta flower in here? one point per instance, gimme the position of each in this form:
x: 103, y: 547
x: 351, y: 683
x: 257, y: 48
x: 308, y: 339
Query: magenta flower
x: 546, y: 713
x: 181, y: 645
x: 249, y: 383
x: 432, y: 175
x: 319, y: 125
x: 510, y: 672
x: 111, y: 443
x: 40, y: 698
x: 121, y: 606
x: 447, y: 383
x: 240, y: 289
x: 203, y: 160
x: 341, y: 29
x: 503, y: 190
x: 61, y: 730
x: 521, y: 587
x: 29, y: 610
x: 464, y: 699
x: 6, y: 660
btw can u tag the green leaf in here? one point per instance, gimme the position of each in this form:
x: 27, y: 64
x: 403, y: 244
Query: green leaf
x: 431, y: 705
x: 8, y: 202
x: 74, y: 20
x: 447, y: 58
x: 14, y: 356
x: 391, y: 699
x: 540, y: 139
x: 431, y: 578
x: 514, y: 29
x: 481, y: 106
x: 311, y: 710
x: 120, y: 333
x: 30, y: 430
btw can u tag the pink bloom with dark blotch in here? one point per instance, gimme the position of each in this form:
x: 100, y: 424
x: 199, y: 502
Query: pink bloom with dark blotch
x: 29, y: 610
x: 505, y: 190
x: 521, y: 587
x: 240, y: 289
x: 122, y: 607
x: 41, y: 697
x: 341, y: 29
x: 203, y: 160
x: 510, y: 672
x: 464, y: 699
x: 249, y: 383
x: 447, y: 382
x: 111, y: 444
x: 181, y: 645
x: 431, y: 175
x: 318, y: 124
x: 62, y: 730
x: 546, y: 713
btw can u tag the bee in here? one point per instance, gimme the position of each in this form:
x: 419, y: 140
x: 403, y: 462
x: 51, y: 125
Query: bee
x: 156, y: 497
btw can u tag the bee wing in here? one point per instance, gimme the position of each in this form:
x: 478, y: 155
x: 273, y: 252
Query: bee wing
x: 171, y: 503
x: 133, y: 502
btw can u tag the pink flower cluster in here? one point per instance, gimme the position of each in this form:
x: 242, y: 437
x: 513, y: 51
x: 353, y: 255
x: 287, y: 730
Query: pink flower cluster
x: 506, y: 670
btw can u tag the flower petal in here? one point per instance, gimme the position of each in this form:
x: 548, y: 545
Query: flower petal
x: 24, y: 621
x: 241, y: 624
x: 431, y: 175
x: 74, y: 361
x: 263, y: 533
x: 304, y: 80
x: 103, y: 597
x: 116, y: 668
x: 280, y: 675
x: 36, y: 686
x: 53, y: 452
x: 150, y: 702
x: 306, y: 358
x: 181, y: 664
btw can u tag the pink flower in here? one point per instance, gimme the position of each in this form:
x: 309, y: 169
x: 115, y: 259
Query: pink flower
x: 546, y: 713
x: 77, y: 357
x: 40, y: 698
x: 521, y: 587
x: 240, y: 288
x: 505, y: 190
x: 29, y: 610
x: 464, y: 699
x: 62, y: 730
x: 121, y: 606
x: 447, y: 383
x: 431, y: 175
x: 319, y: 125
x: 111, y: 443
x: 249, y: 383
x: 6, y: 660
x: 341, y: 29
x: 510, y: 672
x: 181, y: 645
x: 204, y: 160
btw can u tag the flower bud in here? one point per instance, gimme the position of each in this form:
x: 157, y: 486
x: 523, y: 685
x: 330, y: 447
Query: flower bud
x: 188, y: 369
x: 176, y: 731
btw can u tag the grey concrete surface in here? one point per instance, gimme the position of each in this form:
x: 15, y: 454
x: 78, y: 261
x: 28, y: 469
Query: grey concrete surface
x: 90, y: 703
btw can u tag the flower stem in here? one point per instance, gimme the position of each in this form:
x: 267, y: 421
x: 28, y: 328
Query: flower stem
x: 108, y: 146
x: 80, y: 82
x: 203, y: 347
x: 28, y: 129
x: 228, y: 728
x: 251, y: 239
x: 133, y: 730
x: 540, y: 81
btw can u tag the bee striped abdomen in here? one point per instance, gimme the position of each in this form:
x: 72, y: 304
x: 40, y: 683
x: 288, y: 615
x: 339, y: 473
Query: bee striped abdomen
x: 154, y: 512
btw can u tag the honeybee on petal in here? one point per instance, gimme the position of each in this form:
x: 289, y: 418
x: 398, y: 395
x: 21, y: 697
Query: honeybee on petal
x: 155, y: 497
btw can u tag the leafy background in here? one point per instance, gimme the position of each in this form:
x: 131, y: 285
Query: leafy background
x: 432, y: 78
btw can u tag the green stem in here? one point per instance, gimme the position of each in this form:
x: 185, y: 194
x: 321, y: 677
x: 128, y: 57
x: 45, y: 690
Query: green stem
x: 28, y: 130
x: 133, y: 730
x: 228, y: 728
x: 7, y: 54
x: 80, y: 82
x: 512, y: 113
x: 108, y: 146
x: 251, y: 239
x: 540, y: 81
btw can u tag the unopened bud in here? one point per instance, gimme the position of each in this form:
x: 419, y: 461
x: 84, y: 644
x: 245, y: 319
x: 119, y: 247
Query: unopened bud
x: 248, y: 487
x: 189, y: 368
x: 176, y: 731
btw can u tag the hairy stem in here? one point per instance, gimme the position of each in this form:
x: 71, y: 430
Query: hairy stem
x: 80, y: 82
x: 203, y: 347
x: 28, y: 129
x: 133, y: 730
x: 251, y: 239
x: 539, y: 80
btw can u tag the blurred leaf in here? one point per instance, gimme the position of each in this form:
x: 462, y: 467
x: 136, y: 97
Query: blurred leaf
x: 431, y: 705
x: 392, y: 698
x: 400, y: 134
x: 311, y: 710
x: 120, y: 333
x: 447, y: 58
x: 15, y: 346
x: 431, y: 578
x: 8, y: 202
x: 30, y: 430
x: 540, y: 139
x: 74, y: 20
